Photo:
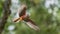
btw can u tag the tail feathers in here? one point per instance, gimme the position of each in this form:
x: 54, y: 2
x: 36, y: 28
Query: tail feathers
x: 32, y: 26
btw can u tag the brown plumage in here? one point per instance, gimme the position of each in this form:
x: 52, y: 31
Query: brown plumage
x: 23, y: 12
x: 22, y: 16
x: 31, y: 24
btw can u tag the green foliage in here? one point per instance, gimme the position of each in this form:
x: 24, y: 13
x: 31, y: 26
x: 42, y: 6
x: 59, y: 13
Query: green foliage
x: 40, y: 16
x: 1, y: 6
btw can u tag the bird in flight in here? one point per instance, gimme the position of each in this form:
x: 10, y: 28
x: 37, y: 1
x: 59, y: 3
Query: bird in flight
x: 22, y: 16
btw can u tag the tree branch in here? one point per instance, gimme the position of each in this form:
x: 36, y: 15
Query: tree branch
x: 6, y: 13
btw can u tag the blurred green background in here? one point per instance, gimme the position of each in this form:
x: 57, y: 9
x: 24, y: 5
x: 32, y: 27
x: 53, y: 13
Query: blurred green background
x: 49, y: 23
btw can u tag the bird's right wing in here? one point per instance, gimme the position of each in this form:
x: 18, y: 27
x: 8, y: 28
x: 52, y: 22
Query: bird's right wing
x: 31, y: 24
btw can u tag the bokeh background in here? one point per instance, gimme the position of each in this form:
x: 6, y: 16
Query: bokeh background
x: 45, y: 13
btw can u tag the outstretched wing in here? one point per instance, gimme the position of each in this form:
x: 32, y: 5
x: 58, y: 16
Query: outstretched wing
x: 23, y: 11
x: 31, y: 24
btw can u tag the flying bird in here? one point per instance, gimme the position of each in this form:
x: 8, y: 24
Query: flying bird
x: 22, y: 16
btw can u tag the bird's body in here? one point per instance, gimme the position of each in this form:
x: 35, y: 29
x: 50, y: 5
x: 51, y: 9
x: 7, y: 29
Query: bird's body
x: 24, y: 17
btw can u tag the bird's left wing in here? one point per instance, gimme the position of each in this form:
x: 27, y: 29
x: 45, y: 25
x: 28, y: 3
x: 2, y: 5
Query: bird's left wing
x: 23, y: 11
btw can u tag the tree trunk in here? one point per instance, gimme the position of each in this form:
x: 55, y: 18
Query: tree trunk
x: 6, y: 13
